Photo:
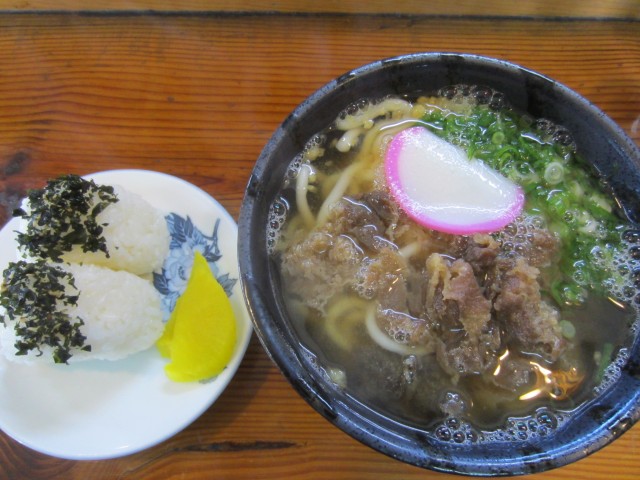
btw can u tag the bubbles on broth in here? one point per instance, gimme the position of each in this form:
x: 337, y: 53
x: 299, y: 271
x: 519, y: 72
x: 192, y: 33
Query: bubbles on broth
x: 275, y: 222
x: 314, y: 148
x: 454, y: 430
x: 629, y: 268
x: 474, y: 93
x: 355, y: 109
x: 538, y: 425
x: 518, y: 236
x: 555, y: 133
x: 613, y: 371
x: 625, y: 265
x: 363, y: 114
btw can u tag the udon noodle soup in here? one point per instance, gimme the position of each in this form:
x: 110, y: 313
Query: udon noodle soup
x: 468, y: 336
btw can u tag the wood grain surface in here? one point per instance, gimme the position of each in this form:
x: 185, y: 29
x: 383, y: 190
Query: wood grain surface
x: 489, y: 8
x: 198, y: 96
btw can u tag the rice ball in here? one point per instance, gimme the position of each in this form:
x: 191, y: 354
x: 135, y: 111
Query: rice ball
x: 136, y: 235
x: 122, y: 315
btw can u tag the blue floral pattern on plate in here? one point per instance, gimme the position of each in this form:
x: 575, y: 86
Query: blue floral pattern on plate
x: 186, y: 238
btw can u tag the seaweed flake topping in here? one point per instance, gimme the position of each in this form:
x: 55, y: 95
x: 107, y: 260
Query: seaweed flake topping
x: 63, y: 214
x: 32, y: 295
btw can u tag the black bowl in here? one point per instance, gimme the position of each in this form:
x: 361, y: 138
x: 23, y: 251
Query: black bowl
x: 600, y: 141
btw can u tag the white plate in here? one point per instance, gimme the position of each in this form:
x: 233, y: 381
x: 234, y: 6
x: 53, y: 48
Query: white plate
x: 100, y: 409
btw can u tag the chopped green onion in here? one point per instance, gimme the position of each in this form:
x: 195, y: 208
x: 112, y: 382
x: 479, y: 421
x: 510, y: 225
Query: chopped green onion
x: 568, y: 329
x: 498, y: 138
x: 554, y: 173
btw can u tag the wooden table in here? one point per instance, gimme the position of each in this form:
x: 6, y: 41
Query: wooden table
x: 196, y: 94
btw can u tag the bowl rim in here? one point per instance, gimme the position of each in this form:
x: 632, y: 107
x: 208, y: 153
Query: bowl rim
x: 405, y: 443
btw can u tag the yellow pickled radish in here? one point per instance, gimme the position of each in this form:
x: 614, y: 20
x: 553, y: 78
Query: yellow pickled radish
x: 200, y: 336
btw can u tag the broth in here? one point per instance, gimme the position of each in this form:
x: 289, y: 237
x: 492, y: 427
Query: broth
x: 457, y: 334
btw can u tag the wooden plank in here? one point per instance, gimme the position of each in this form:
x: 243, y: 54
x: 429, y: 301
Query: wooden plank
x: 621, y: 9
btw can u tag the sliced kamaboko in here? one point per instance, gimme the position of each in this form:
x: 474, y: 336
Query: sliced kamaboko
x: 438, y: 186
